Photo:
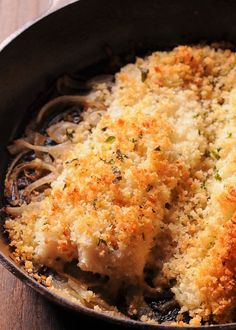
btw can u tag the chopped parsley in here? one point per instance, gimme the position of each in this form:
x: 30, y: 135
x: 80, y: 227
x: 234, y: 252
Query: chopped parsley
x: 218, y: 177
x: 120, y: 155
x: 110, y: 161
x: 144, y: 75
x: 95, y: 204
x: 140, y: 136
x: 70, y: 134
x: 110, y: 139
x: 215, y: 153
x: 229, y: 135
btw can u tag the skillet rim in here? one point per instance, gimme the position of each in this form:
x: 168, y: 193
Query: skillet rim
x: 45, y: 292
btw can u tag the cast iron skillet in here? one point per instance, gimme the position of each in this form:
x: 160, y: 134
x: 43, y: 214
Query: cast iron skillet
x: 76, y: 37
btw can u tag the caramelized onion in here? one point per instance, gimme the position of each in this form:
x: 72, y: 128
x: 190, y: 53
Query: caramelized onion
x: 59, y: 131
x: 70, y: 99
x: 52, y: 150
x: 11, y: 185
x: 37, y: 184
x: 99, y: 79
x: 67, y: 85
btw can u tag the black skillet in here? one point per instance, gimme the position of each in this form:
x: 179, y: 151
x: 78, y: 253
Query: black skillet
x: 80, y: 36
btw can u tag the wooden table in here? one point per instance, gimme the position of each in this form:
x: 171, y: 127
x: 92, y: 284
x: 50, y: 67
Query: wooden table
x: 21, y: 308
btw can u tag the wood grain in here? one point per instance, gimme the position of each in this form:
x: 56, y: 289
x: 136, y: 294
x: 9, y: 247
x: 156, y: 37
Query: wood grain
x: 21, y: 308
x: 15, y: 13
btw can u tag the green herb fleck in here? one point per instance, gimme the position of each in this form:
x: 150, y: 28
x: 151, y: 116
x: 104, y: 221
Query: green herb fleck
x: 144, y: 75
x: 168, y: 206
x: 70, y: 134
x: 215, y: 153
x: 104, y: 129
x: 229, y: 135
x: 218, y: 177
x: 110, y: 139
x: 110, y: 161
x: 134, y: 140
x: 203, y: 185
x: 95, y: 204
x: 120, y: 155
x: 140, y: 136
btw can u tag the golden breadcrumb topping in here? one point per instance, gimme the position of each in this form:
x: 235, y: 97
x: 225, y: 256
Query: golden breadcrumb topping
x: 153, y: 184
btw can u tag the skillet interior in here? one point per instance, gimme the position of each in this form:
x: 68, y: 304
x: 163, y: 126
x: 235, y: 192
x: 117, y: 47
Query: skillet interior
x: 76, y: 37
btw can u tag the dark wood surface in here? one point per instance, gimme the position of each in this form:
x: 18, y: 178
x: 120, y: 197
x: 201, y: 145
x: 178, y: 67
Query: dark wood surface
x: 21, y: 308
